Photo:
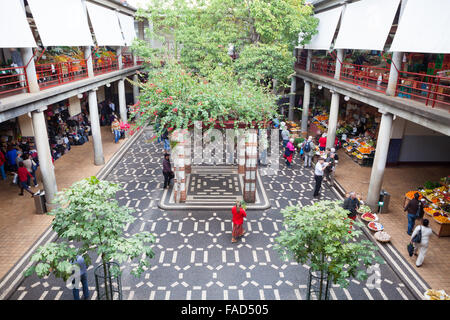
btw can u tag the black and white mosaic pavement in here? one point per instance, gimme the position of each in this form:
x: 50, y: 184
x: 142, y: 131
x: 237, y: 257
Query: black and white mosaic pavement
x: 194, y: 256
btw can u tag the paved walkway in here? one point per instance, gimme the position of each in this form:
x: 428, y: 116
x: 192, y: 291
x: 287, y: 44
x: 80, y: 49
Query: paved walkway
x: 20, y: 226
x: 397, y: 181
x: 194, y: 257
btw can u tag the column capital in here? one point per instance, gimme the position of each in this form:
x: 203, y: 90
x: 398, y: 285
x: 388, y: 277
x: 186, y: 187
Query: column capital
x: 384, y: 112
x: 42, y: 109
x: 94, y: 89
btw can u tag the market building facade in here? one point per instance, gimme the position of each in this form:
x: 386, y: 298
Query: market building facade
x: 386, y: 83
x: 62, y: 64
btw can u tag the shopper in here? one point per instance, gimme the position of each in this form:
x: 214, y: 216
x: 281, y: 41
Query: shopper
x: 238, y: 221
x: 115, y: 128
x: 323, y: 142
x: 415, y: 210
x: 318, y: 175
x: 284, y: 135
x: 2, y: 165
x: 11, y: 156
x: 289, y: 152
x: 23, y: 176
x: 329, y: 170
x: 165, y: 139
x: 352, y: 205
x: 29, y: 164
x: 309, y: 149
x: 83, y: 278
x: 167, y: 171
x: 422, y: 246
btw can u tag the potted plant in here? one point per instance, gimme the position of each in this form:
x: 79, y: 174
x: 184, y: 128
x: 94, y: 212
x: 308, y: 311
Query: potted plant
x: 90, y: 221
x: 322, y: 236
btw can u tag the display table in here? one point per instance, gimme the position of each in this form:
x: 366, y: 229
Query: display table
x: 440, y: 229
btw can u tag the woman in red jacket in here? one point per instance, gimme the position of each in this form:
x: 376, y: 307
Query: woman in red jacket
x: 23, y: 179
x: 238, y: 220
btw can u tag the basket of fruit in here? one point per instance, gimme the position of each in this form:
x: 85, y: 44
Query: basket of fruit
x: 375, y: 226
x: 410, y: 195
x: 431, y: 294
x: 382, y: 236
x: 369, y: 217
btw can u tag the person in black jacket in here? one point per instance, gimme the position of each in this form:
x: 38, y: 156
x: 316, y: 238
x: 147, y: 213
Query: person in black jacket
x: 352, y: 205
x: 167, y: 171
x: 415, y: 210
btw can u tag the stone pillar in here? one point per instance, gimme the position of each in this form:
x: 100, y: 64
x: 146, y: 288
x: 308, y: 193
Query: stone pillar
x: 179, y: 192
x: 393, y: 73
x: 30, y: 70
x: 187, y: 151
x: 292, y: 98
x: 89, y: 61
x: 95, y: 128
x: 45, y: 157
x: 135, y: 89
x: 119, y: 58
x: 379, y: 162
x: 308, y: 60
x: 306, y: 98
x: 122, y: 101
x: 333, y: 119
x: 340, y: 58
x: 251, y: 157
x: 241, y: 151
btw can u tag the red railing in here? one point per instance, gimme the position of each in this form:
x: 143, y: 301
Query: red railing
x: 300, y: 63
x: 54, y: 74
x: 13, y: 80
x: 127, y: 61
x: 369, y: 77
x: 105, y: 65
x: 324, y: 67
x: 425, y: 88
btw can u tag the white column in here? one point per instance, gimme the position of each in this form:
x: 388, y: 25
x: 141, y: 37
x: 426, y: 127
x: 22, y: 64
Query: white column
x: 45, y: 157
x: 241, y: 151
x: 292, y: 98
x: 306, y: 98
x: 122, y: 101
x: 89, y: 61
x: 308, y: 60
x: 95, y: 128
x: 333, y: 119
x: 340, y: 58
x: 119, y: 57
x: 187, y: 151
x: 379, y: 162
x: 179, y: 169
x: 393, y: 73
x: 30, y: 70
x: 135, y: 89
x: 251, y: 157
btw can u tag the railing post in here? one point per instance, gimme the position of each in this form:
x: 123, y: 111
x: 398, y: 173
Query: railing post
x: 119, y: 57
x: 89, y: 61
x: 339, y: 59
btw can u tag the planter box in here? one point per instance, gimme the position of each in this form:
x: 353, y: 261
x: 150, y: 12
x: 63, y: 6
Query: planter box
x: 440, y: 229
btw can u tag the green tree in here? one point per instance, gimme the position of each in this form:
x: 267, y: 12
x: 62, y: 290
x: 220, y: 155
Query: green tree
x: 87, y: 220
x: 323, y: 236
x: 263, y: 32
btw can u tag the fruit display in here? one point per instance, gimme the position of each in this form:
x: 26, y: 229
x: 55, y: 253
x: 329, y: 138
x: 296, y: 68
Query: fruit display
x: 364, y: 208
x: 375, y: 226
x: 431, y: 294
x: 369, y: 217
x: 441, y: 219
x: 410, y: 195
x: 382, y: 236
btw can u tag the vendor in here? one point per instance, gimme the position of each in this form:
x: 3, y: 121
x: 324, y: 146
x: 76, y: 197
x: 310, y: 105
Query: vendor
x: 352, y: 205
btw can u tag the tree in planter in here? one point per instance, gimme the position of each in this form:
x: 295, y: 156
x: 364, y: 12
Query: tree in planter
x: 89, y: 219
x: 322, y: 235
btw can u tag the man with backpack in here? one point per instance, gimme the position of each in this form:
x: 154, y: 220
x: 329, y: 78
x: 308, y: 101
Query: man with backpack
x: 329, y: 170
x: 308, y: 150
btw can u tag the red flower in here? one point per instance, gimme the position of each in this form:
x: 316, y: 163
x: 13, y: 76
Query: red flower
x: 159, y: 90
x: 155, y: 112
x: 211, y: 120
x: 170, y: 102
x: 170, y: 129
x: 175, y: 109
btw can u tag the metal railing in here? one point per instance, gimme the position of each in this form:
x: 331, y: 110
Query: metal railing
x: 105, y: 65
x: 127, y: 61
x: 58, y: 73
x: 13, y: 80
x: 324, y: 67
x: 369, y: 77
x: 300, y: 63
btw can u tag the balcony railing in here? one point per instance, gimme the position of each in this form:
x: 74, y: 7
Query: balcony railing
x: 301, y: 63
x: 430, y: 90
x: 13, y: 80
x: 105, y: 65
x: 54, y: 74
x: 127, y: 61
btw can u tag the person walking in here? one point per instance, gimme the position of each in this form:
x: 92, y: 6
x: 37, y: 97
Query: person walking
x: 23, y: 176
x: 115, y: 128
x: 29, y: 164
x: 323, y: 142
x: 352, y: 205
x: 167, y: 171
x: 415, y: 210
x: 329, y: 170
x: 11, y: 156
x: 318, y: 175
x: 284, y: 135
x: 422, y: 246
x: 289, y: 152
x: 309, y: 150
x: 165, y: 139
x: 238, y: 221
x: 83, y: 278
x: 2, y: 165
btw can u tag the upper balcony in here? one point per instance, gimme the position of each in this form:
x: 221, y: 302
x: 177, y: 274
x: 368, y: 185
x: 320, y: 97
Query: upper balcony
x: 431, y: 88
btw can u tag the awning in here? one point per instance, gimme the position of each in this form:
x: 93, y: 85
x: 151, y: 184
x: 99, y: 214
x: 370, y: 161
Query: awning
x: 15, y: 31
x: 106, y: 26
x: 61, y: 23
x: 328, y: 21
x: 366, y: 24
x: 423, y: 27
x: 127, y: 26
